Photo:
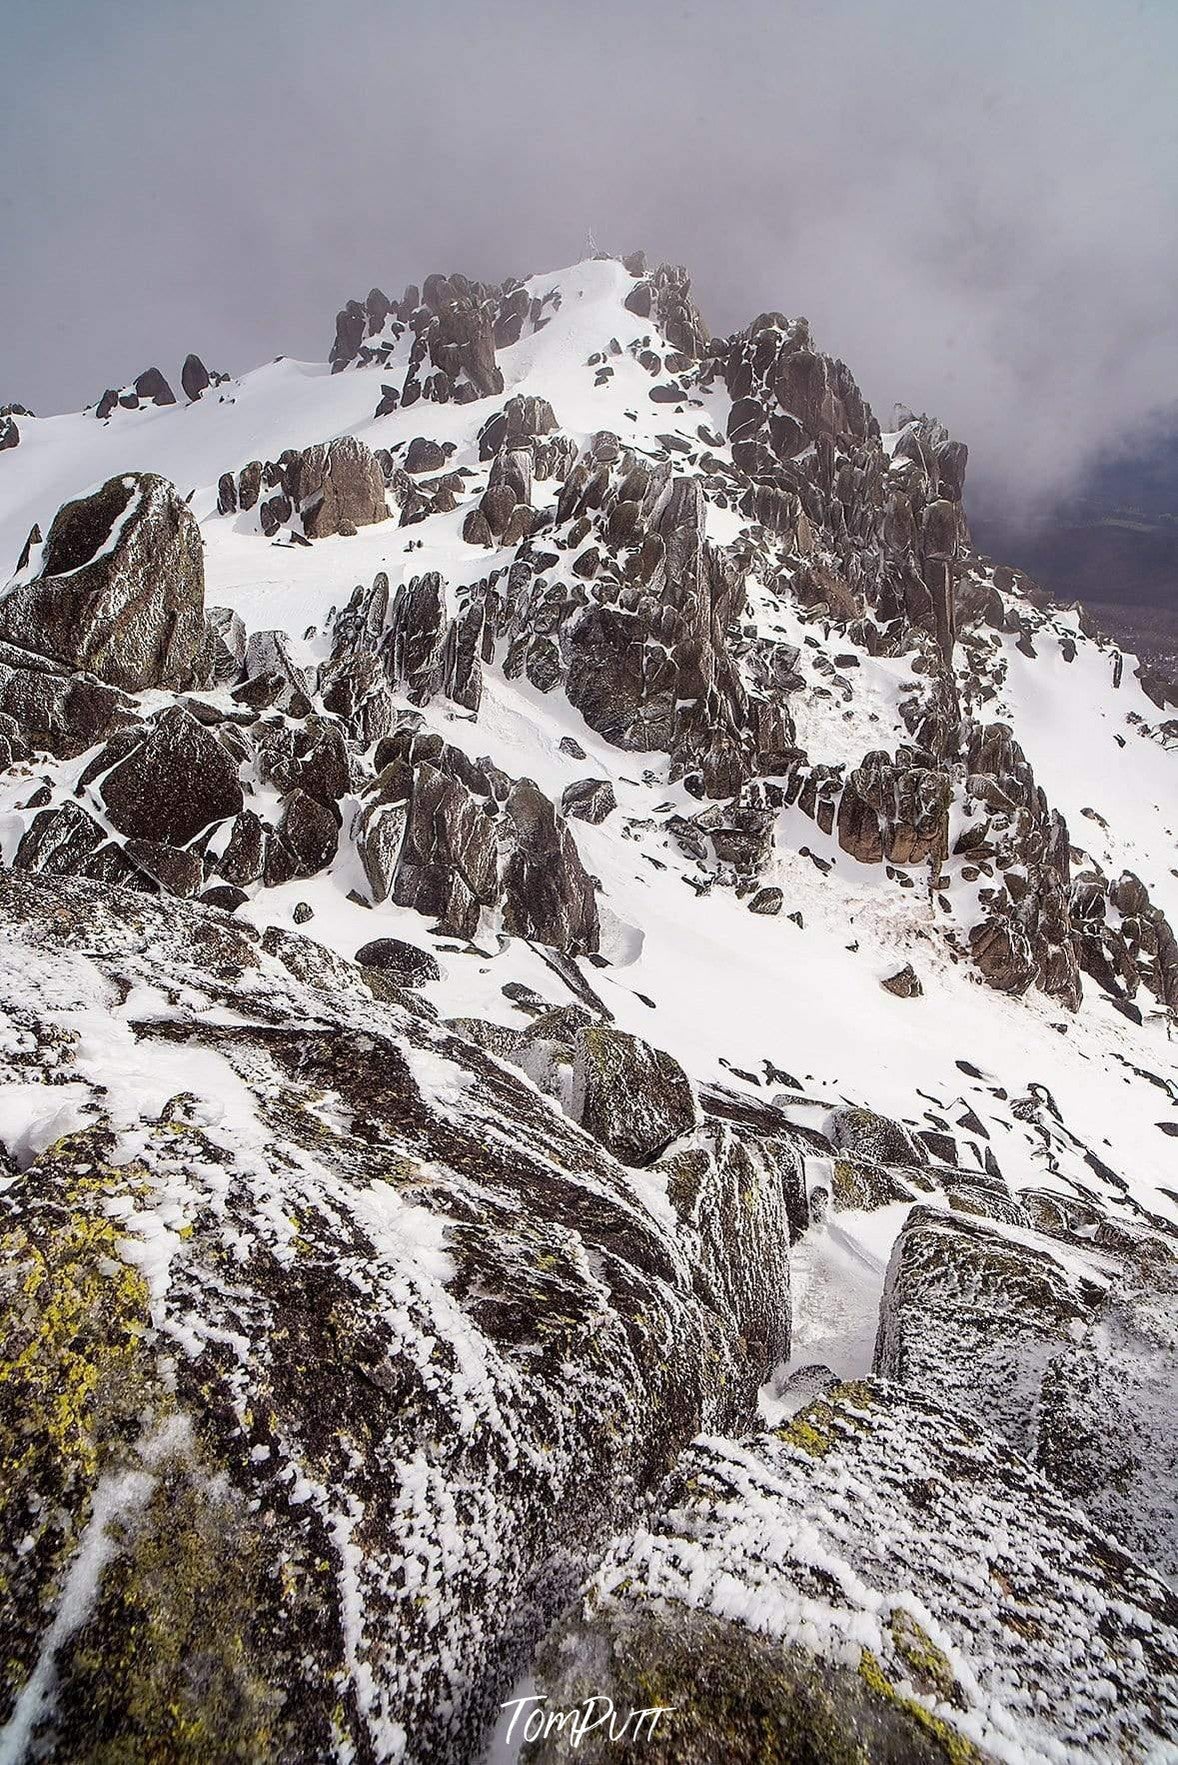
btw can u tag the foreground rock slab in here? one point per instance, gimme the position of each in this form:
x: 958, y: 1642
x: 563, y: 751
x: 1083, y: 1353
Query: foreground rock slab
x: 330, y: 1351
x: 878, y: 1580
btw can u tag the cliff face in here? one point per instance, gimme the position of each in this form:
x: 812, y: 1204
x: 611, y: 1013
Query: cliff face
x: 580, y: 966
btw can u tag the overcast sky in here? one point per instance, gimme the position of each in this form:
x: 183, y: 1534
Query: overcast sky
x: 974, y: 203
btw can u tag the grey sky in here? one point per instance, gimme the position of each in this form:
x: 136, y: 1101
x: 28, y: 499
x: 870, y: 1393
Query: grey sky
x: 974, y: 203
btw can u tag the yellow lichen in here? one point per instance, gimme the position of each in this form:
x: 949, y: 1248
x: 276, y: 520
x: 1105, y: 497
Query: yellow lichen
x: 928, y: 1666
x: 816, y: 1428
x: 76, y: 1380
x: 957, y: 1749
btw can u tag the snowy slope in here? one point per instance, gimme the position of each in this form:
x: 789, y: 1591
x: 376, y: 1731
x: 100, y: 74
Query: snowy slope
x: 1006, y: 1100
x: 697, y: 974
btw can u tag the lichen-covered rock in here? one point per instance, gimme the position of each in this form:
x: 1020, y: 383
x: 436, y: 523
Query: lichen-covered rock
x: 874, y: 1136
x: 734, y: 1196
x: 862, y: 1184
x: 880, y: 1579
x: 120, y: 588
x: 315, y: 1400
x: 631, y: 1097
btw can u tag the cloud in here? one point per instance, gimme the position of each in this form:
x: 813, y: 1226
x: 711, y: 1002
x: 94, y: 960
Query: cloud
x: 973, y: 205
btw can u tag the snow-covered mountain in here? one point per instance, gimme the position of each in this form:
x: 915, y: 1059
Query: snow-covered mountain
x: 592, y: 995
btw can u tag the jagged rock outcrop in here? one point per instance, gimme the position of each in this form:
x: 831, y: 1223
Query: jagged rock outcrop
x: 548, y: 896
x: 1122, y: 940
x: 455, y: 839
x: 896, y: 811
x: 1025, y: 937
x: 119, y: 593
x: 456, y: 326
x: 334, y: 487
x: 67, y: 841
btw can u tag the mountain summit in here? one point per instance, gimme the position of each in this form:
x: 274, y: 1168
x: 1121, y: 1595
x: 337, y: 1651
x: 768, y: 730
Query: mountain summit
x: 591, y: 1094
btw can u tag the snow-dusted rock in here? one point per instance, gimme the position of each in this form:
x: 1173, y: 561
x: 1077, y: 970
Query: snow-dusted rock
x: 878, y: 1579
x: 167, y: 782
x: 1066, y: 1347
x: 633, y: 1098
x: 330, y: 1351
x: 120, y: 589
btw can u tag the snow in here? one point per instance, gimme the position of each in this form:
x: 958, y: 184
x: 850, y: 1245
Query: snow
x: 726, y: 986
x: 695, y: 974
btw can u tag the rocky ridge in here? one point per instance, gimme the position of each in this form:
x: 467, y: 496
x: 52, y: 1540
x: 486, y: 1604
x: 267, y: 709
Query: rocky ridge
x: 379, y: 1291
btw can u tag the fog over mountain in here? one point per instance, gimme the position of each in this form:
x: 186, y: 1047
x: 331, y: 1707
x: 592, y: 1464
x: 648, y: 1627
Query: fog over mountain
x: 972, y: 205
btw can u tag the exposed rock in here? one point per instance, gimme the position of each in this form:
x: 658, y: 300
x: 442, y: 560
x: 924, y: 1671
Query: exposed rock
x: 63, y: 714
x: 905, y: 983
x: 407, y: 964
x: 446, y: 857
x: 32, y: 539
x: 243, y: 858
x: 767, y: 900
x: 561, y: 1320
x: 151, y: 385
x: 521, y: 420
x: 120, y: 589
x: 1072, y: 1368
x: 476, y: 531
x: 634, y: 1099
x: 229, y: 642
x: 547, y: 895
x: 589, y: 799
x: 425, y: 455
x: 881, y: 1579
x: 226, y: 897
x: 178, y: 873
x: 194, y: 377
x: 339, y: 486
x: 174, y: 781
x: 66, y: 841
x: 874, y: 1136
x: 894, y: 811
x: 306, y: 840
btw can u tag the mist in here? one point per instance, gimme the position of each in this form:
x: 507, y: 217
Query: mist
x: 973, y: 205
